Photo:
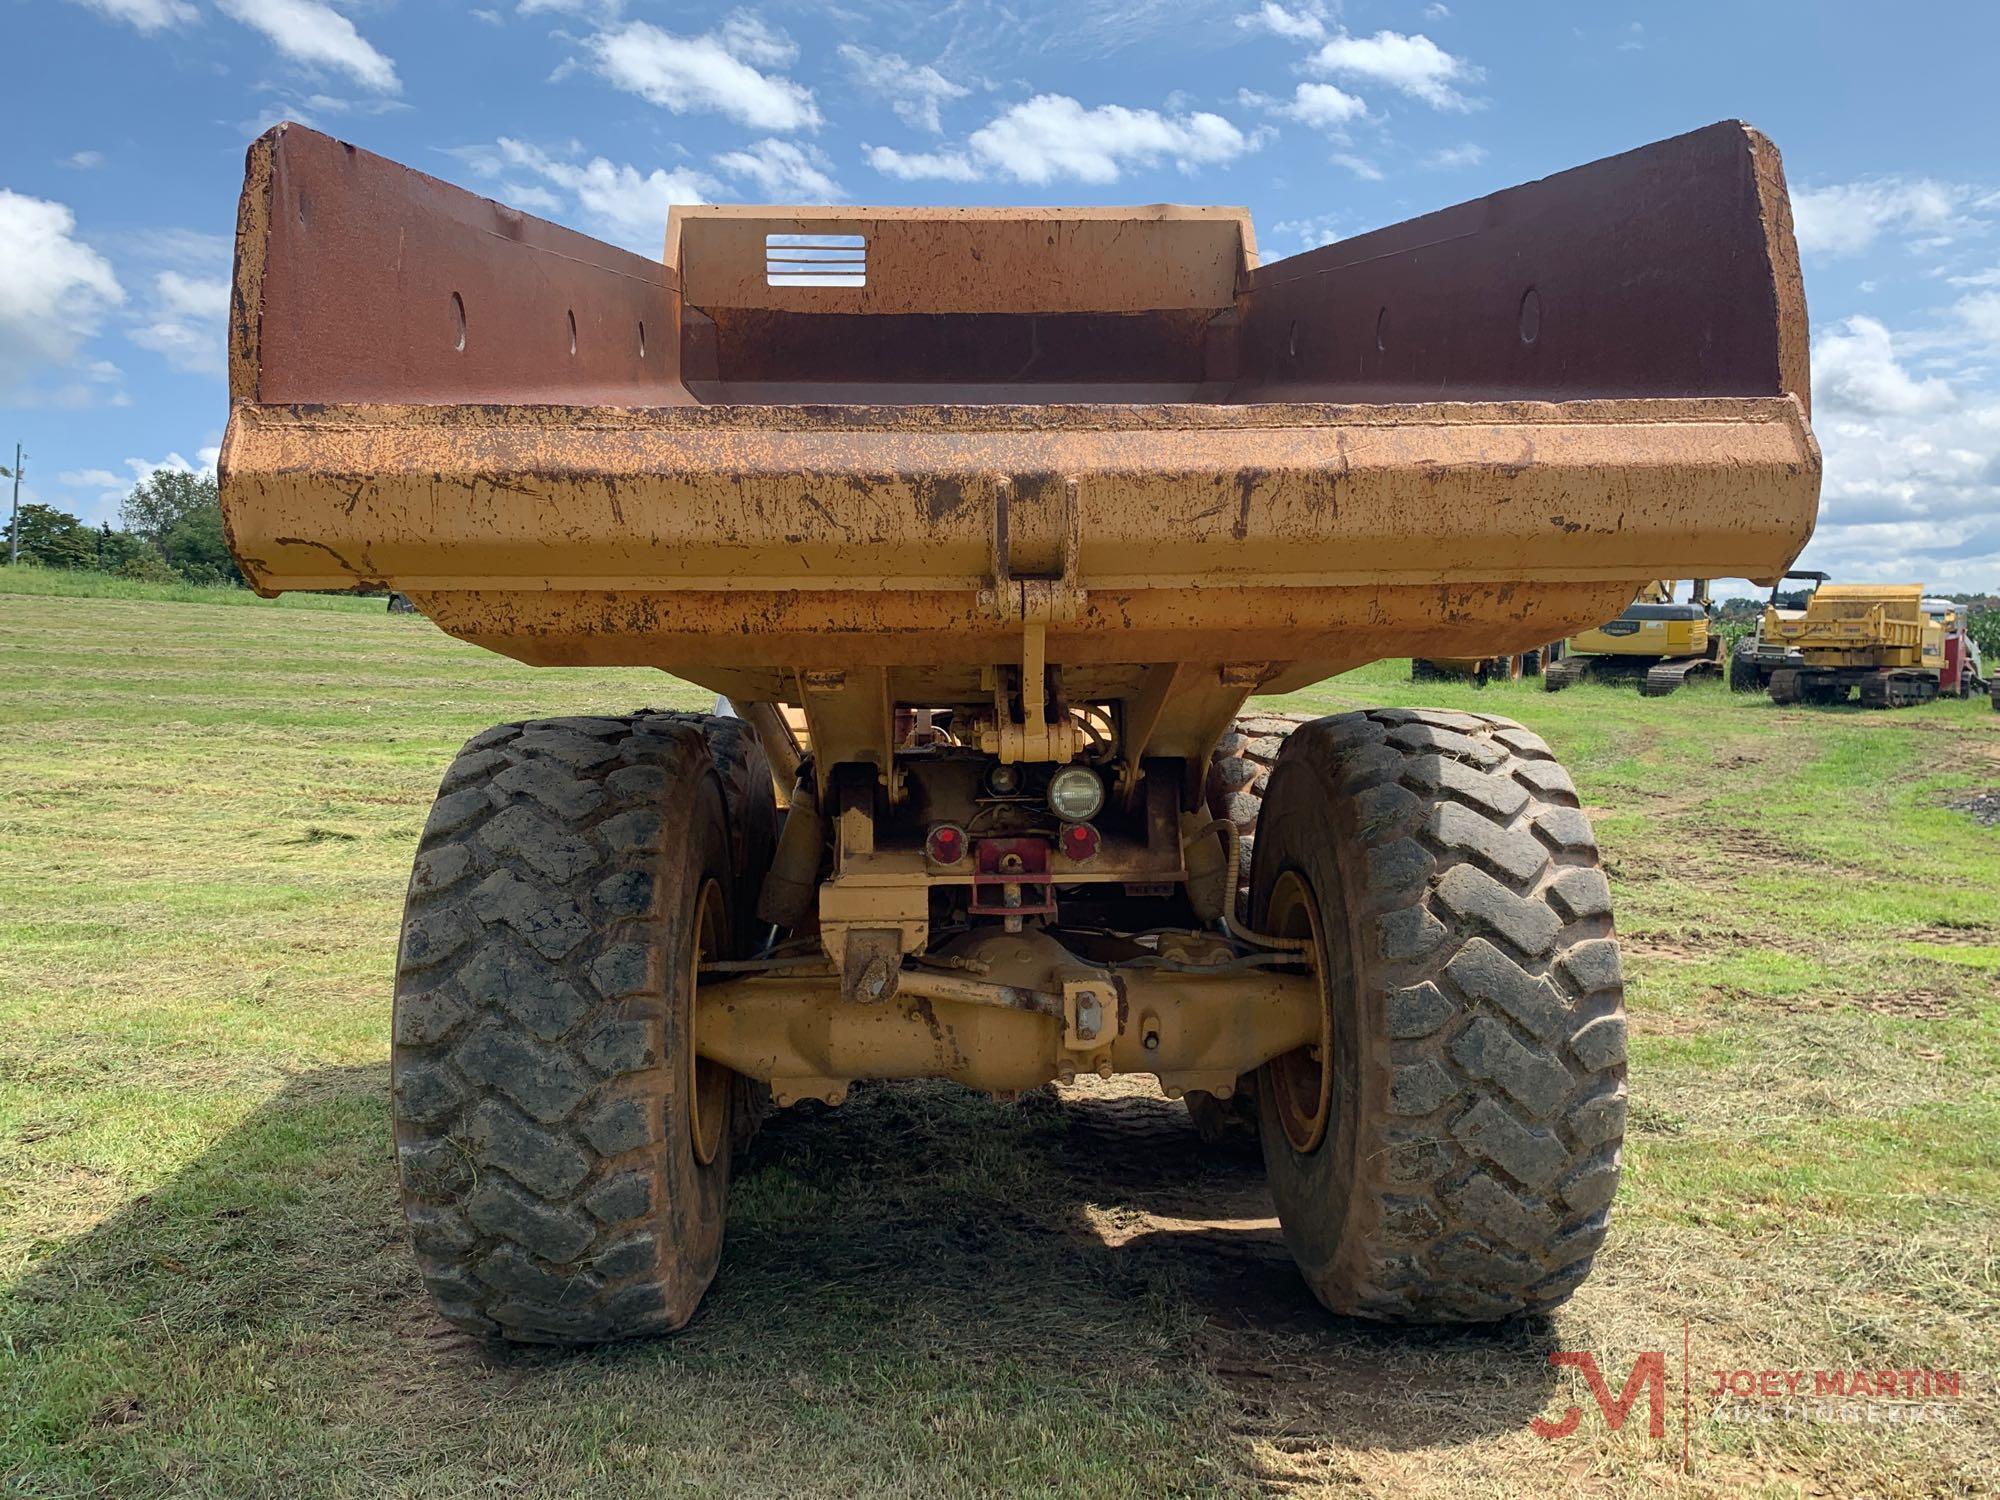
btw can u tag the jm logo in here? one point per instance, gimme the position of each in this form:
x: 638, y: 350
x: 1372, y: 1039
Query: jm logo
x: 1649, y: 1376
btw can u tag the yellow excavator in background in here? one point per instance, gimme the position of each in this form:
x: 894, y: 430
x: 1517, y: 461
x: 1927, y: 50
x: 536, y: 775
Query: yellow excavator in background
x: 1657, y: 641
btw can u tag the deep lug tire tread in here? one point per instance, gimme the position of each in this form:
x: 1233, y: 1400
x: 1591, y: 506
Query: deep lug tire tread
x: 535, y: 1058
x: 1490, y: 1107
x: 1238, y: 769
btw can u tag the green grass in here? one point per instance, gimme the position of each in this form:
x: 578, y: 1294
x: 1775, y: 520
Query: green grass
x: 81, y: 583
x: 206, y: 815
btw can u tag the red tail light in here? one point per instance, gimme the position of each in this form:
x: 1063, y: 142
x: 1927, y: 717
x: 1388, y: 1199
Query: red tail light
x: 1079, y: 842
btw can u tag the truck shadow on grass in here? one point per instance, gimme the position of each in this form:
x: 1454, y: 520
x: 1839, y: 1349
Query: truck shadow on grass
x: 924, y: 1274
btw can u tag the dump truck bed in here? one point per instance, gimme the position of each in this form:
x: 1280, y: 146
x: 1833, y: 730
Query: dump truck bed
x: 1860, y: 625
x: 1463, y: 435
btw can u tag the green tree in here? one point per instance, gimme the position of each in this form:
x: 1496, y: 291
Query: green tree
x: 179, y: 515
x: 158, y: 504
x: 115, y: 549
x: 54, y: 538
x: 197, y: 549
x: 1983, y: 625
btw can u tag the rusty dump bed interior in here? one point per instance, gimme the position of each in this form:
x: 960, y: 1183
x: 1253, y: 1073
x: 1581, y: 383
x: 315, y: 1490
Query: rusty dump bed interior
x: 883, y: 439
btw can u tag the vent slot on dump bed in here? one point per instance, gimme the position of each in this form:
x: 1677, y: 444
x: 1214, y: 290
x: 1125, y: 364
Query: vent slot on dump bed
x: 816, y: 260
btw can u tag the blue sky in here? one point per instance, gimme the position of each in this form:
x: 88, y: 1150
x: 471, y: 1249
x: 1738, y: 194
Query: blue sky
x: 123, y: 128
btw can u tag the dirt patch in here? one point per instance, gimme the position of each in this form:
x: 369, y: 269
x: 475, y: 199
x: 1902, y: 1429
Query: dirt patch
x: 1983, y: 806
x: 1955, y: 937
x: 1668, y: 948
x: 1758, y: 849
x: 1686, y: 945
x: 1909, y: 1005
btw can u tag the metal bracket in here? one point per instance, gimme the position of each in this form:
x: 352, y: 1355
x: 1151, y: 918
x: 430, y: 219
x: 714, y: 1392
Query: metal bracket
x: 1034, y: 602
x: 1009, y: 595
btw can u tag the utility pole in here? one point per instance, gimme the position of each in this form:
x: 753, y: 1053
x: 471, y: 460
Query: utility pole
x: 14, y: 526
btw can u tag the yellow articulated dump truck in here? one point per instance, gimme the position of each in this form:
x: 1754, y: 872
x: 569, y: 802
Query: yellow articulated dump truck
x: 1876, y: 638
x: 1657, y: 642
x: 986, y: 523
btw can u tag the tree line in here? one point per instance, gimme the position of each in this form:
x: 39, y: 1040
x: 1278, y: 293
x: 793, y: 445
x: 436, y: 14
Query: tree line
x: 170, y: 530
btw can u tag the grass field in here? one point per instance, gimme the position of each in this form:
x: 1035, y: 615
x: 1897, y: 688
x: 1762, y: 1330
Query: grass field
x: 206, y: 815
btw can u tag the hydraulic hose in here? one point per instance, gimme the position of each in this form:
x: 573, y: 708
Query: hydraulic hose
x: 1232, y: 844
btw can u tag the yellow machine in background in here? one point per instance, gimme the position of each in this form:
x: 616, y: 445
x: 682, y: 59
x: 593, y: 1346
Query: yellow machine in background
x: 1657, y: 641
x: 1872, y: 636
x: 1480, y: 670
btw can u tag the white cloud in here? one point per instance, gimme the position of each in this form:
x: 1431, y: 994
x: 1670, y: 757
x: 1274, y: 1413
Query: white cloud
x: 1912, y: 464
x: 1307, y: 234
x: 1848, y: 218
x: 914, y: 166
x: 189, y: 249
x: 1413, y: 65
x: 612, y: 198
x: 1451, y: 158
x: 188, y: 297
x: 110, y: 487
x: 1855, y: 370
x: 529, y: 195
x: 187, y: 322
x: 784, y: 172
x: 1980, y: 315
x: 54, y: 290
x: 1305, y: 24
x: 147, y: 15
x: 915, y: 92
x: 1323, y: 107
x: 715, y: 73
x: 1052, y: 136
x: 746, y: 36
x: 1360, y: 166
x: 1437, y: 12
x: 83, y: 161
x: 315, y: 34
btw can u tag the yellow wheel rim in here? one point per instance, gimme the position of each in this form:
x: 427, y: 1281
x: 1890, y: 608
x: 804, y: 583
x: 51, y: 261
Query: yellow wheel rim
x: 708, y: 1082
x: 1301, y: 1083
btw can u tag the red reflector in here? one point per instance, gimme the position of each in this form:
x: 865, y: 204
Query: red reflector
x: 946, y: 844
x: 1079, y: 842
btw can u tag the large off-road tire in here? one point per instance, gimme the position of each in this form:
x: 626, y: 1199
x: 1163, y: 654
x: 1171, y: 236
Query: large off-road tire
x: 565, y: 1156
x: 1237, y: 771
x: 1449, y: 1153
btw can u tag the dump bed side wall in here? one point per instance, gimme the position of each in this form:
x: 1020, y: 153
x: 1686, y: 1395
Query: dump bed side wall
x: 361, y: 280
x: 1666, y: 271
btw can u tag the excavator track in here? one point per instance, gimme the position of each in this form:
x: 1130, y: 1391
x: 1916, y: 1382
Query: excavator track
x: 1565, y: 673
x: 1665, y: 676
x: 1897, y: 689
